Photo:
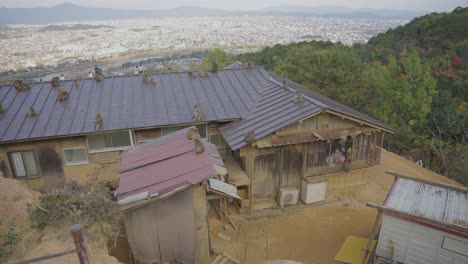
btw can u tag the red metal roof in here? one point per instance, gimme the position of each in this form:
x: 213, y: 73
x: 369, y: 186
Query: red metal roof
x: 164, y: 165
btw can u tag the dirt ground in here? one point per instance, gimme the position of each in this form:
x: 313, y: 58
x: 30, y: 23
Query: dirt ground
x: 15, y: 198
x: 309, y: 234
x: 315, y: 233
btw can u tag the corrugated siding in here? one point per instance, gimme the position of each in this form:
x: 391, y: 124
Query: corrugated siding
x: 429, y: 201
x: 126, y: 102
x: 414, y: 243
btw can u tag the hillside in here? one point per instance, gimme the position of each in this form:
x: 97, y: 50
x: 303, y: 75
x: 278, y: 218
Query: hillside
x: 68, y: 12
x: 441, y: 39
x: 413, y: 78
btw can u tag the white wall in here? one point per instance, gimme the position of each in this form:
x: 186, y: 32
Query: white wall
x: 416, y: 244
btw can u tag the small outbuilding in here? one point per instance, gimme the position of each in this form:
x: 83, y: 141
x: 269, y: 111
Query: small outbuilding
x: 162, y: 191
x: 423, y: 222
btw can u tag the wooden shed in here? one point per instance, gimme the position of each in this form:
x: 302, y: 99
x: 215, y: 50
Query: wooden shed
x: 162, y: 192
x: 423, y: 222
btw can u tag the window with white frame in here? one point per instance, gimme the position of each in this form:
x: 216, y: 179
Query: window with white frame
x: 202, y: 128
x: 75, y: 156
x: 110, y: 141
x: 23, y: 163
x: 218, y: 140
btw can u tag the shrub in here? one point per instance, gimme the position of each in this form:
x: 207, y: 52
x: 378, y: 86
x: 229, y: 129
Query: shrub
x: 8, y: 239
x: 78, y: 205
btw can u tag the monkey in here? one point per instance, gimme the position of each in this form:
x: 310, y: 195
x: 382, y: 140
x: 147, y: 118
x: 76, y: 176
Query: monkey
x: 298, y: 97
x: 77, y: 83
x: 203, y: 74
x: 2, y: 109
x: 192, y: 133
x: 199, y: 148
x: 99, y: 76
x: 192, y: 75
x: 63, y: 95
x: 285, y: 80
x: 20, y: 85
x: 148, y: 79
x: 248, y: 65
x: 55, y: 82
x: 99, y: 121
x: 32, y: 112
x: 250, y: 136
x: 197, y: 113
x: 214, y: 67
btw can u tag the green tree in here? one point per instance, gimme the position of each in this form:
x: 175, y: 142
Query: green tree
x: 217, y: 55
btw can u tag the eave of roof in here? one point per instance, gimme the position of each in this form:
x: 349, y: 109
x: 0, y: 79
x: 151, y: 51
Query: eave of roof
x: 127, y: 102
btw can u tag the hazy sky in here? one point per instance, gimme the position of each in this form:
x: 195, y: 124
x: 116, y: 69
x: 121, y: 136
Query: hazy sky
x: 423, y: 5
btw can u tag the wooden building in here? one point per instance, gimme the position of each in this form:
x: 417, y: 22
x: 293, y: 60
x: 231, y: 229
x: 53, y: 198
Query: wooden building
x: 162, y: 192
x: 423, y: 222
x: 279, y: 139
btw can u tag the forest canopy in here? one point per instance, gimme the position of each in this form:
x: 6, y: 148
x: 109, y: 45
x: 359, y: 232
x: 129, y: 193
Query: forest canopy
x: 413, y: 78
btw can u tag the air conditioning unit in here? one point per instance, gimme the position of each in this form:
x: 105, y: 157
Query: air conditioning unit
x: 313, y: 190
x: 288, y: 195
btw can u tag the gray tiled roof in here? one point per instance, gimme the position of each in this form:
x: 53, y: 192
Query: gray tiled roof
x: 331, y: 104
x: 275, y: 109
x: 254, y: 98
x: 126, y: 102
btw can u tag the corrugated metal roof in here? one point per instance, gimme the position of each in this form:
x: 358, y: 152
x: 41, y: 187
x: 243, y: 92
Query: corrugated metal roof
x: 235, y: 65
x: 164, y: 165
x: 332, y: 105
x: 274, y: 110
x: 126, y: 102
x: 429, y: 201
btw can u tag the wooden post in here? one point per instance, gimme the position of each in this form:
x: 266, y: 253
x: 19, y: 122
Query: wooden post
x: 374, y: 231
x: 78, y: 238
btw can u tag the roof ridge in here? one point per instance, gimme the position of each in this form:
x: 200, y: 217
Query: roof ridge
x: 304, y: 95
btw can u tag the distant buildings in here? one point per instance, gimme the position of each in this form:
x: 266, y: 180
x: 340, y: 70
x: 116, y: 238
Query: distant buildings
x: 58, y: 46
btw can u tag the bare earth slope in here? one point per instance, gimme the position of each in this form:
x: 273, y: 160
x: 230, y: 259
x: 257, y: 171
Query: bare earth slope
x: 315, y: 234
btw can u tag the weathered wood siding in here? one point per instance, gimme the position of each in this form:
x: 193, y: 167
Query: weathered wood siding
x: 163, y: 230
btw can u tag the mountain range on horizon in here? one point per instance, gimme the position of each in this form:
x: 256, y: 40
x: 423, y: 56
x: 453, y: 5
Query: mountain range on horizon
x: 68, y: 12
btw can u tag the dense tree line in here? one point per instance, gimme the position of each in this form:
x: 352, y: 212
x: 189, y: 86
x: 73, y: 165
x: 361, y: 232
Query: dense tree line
x: 413, y: 78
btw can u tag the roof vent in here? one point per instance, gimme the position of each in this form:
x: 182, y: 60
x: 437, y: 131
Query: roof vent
x: 199, y: 148
x: 20, y: 85
x: 214, y: 67
x: 197, y: 113
x: 192, y: 133
x: 32, y: 112
x: 203, y: 74
x: 250, y: 136
x: 76, y: 83
x: 99, y: 121
x: 192, y: 75
x: 148, y: 79
x: 55, y: 82
x: 2, y: 109
x: 298, y: 97
x: 63, y: 95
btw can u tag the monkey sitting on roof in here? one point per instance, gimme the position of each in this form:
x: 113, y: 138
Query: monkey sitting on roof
x: 197, y: 113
